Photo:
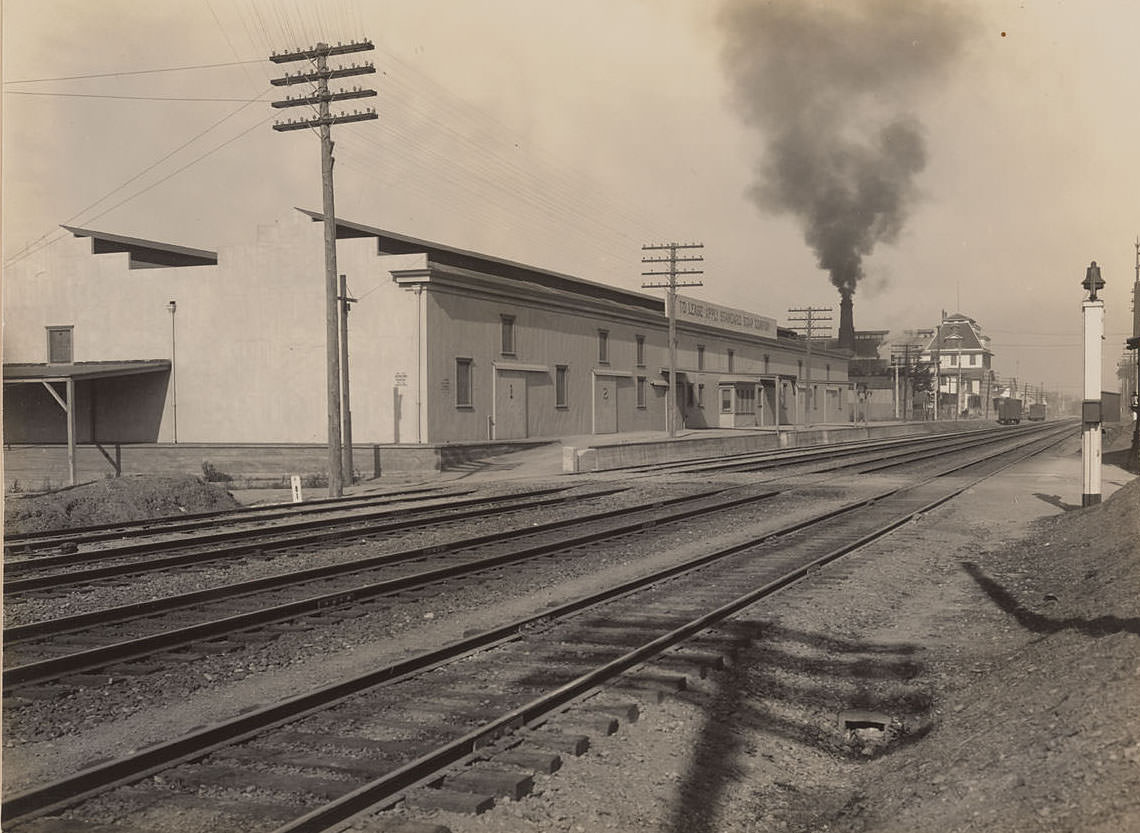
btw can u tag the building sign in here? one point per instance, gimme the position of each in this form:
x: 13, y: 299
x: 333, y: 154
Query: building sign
x: 401, y: 379
x: 726, y: 318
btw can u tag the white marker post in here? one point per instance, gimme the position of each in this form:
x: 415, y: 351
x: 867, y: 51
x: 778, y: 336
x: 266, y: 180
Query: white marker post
x: 295, y: 482
x: 1093, y: 310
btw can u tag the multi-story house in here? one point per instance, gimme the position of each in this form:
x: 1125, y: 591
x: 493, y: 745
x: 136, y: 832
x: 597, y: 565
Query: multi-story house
x: 960, y: 354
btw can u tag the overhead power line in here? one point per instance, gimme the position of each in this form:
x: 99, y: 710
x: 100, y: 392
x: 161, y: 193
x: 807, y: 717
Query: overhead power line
x: 121, y: 97
x: 132, y: 72
x: 46, y: 239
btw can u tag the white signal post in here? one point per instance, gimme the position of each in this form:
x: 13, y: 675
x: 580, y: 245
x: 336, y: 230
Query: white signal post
x: 1093, y: 309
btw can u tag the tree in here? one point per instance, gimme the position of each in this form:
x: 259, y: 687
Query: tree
x: 921, y: 377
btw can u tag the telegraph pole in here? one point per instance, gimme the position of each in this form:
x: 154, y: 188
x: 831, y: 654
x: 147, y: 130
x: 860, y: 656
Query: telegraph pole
x: 346, y: 410
x: 812, y: 320
x: 670, y: 308
x: 321, y: 97
x: 903, y: 381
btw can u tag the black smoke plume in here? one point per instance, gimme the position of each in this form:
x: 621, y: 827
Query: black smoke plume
x: 832, y: 87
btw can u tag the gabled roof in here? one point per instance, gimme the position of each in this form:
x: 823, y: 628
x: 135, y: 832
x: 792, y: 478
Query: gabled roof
x: 146, y: 253
x: 956, y: 332
x: 389, y: 242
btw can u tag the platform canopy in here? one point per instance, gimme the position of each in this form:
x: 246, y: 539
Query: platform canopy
x: 68, y: 374
x: 61, y: 372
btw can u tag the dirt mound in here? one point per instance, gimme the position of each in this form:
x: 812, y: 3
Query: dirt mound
x: 110, y: 501
x: 1041, y: 721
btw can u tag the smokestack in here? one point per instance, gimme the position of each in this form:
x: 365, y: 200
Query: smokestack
x: 846, y: 324
x: 834, y: 88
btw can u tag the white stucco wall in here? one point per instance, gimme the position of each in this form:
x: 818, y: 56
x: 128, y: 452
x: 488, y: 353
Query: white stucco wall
x: 249, y: 332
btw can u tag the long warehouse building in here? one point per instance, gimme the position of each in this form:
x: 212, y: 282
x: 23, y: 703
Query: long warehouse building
x: 137, y: 341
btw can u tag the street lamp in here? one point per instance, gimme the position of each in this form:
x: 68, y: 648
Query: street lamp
x: 172, y: 307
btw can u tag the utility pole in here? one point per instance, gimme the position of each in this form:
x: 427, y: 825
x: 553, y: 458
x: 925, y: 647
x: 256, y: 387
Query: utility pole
x: 172, y: 308
x: 894, y: 362
x: 671, y: 307
x: 346, y: 409
x: 812, y: 320
x: 938, y: 366
x: 900, y: 363
x: 321, y: 97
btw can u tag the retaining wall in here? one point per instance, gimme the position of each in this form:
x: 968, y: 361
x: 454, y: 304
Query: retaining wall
x: 607, y: 456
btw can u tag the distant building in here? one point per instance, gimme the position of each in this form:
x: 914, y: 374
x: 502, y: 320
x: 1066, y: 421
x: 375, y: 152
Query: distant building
x: 960, y: 355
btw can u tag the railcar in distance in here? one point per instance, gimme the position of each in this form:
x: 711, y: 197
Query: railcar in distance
x: 1008, y: 410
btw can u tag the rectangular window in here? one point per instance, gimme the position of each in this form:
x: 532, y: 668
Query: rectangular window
x: 973, y: 360
x: 641, y: 391
x: 726, y: 400
x: 731, y: 361
x: 700, y: 396
x: 560, y: 386
x: 59, y: 345
x: 690, y: 394
x: 641, y: 351
x: 953, y: 360
x: 463, y: 383
x: 603, y: 346
x: 700, y: 357
x: 508, y: 329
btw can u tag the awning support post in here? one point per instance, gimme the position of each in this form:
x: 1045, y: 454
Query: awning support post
x: 68, y: 409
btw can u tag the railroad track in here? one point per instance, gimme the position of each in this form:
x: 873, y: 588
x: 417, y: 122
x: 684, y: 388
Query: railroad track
x: 134, y: 558
x: 360, y: 745
x: 863, y: 456
x: 220, y: 618
x: 32, y: 543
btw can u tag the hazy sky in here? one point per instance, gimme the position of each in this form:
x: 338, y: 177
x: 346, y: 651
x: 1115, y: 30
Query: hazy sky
x: 567, y: 135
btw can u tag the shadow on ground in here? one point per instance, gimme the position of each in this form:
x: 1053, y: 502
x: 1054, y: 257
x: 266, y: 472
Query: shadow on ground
x: 1038, y: 623
x: 1056, y: 500
x: 797, y: 685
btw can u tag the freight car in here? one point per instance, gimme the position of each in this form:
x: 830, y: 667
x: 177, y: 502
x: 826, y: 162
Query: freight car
x: 1008, y: 411
x: 1036, y: 412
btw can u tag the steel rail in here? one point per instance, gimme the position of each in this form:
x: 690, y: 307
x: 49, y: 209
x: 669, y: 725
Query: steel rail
x: 133, y: 649
x: 192, y: 520
x: 763, y: 460
x: 1040, y: 434
x: 962, y: 443
x: 72, y: 789
x: 795, y: 454
x: 294, y: 535
x: 121, y: 613
x: 387, y: 789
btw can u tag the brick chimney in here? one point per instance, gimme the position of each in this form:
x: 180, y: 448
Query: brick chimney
x: 846, y: 324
